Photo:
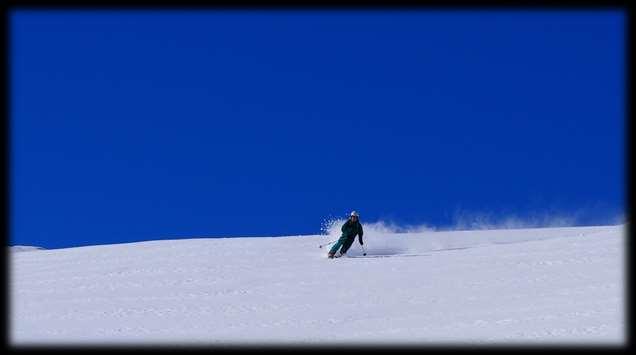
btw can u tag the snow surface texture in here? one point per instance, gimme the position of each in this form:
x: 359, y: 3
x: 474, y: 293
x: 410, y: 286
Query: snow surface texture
x: 522, y: 286
x: 21, y: 248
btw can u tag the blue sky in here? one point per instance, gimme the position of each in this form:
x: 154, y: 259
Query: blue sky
x: 141, y: 125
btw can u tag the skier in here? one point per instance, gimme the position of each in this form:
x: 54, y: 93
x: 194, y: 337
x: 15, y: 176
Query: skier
x: 350, y: 229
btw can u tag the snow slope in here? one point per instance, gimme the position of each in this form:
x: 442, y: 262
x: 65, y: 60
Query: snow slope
x: 524, y: 286
x: 21, y: 248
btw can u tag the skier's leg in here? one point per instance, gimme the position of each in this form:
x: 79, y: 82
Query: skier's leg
x: 337, y: 245
x: 346, y: 245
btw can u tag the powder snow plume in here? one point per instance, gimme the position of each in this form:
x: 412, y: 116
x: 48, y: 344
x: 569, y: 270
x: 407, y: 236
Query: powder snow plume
x: 380, y: 237
x: 388, y: 238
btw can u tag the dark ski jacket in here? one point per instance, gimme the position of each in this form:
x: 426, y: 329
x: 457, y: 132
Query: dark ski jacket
x: 351, y: 228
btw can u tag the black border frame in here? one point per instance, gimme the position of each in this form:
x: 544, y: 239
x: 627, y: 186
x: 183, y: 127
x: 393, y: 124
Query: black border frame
x: 400, y: 5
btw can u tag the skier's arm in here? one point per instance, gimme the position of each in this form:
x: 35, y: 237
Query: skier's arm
x: 343, y: 226
x: 360, y: 234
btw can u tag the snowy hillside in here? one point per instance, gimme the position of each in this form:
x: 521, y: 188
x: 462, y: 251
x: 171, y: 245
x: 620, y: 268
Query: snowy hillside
x: 551, y: 285
x: 20, y: 248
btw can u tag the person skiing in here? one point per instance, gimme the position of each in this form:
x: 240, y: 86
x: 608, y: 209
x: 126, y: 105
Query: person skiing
x: 350, y: 229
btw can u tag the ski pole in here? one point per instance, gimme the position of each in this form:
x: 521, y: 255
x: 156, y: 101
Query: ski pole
x: 364, y: 250
x: 323, y: 245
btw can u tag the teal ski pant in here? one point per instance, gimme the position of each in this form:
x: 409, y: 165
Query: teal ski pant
x: 345, y: 242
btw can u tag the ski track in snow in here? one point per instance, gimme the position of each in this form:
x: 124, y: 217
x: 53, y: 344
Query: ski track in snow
x: 550, y: 285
